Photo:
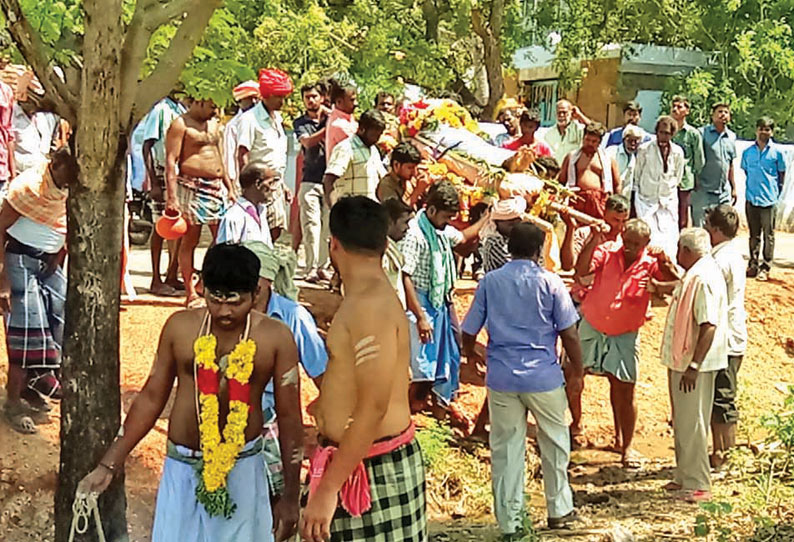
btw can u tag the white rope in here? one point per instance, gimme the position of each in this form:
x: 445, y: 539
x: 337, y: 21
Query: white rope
x: 83, y: 507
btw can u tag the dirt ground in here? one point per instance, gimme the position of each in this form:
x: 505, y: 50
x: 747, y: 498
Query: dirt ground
x: 607, y: 495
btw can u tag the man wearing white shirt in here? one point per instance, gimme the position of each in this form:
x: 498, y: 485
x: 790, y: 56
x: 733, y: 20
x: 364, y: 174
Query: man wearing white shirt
x: 722, y: 223
x: 31, y: 143
x: 261, y: 139
x: 246, y: 95
x: 246, y: 219
x: 625, y: 155
x: 660, y: 167
x: 694, y: 350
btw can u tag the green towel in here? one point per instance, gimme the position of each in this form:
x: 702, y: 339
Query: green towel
x: 442, y: 261
x: 276, y: 265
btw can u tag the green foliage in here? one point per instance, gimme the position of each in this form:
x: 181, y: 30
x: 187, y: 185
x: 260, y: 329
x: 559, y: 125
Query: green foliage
x: 434, y: 440
x: 712, y: 521
x: 752, y: 44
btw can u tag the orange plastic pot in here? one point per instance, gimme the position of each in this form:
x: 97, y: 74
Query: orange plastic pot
x: 171, y: 225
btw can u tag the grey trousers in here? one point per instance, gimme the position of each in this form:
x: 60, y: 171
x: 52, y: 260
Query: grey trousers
x: 314, y: 225
x: 691, y: 422
x: 761, y: 223
x: 508, y: 449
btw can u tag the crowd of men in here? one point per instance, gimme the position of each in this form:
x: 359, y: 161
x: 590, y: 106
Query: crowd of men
x: 395, y: 345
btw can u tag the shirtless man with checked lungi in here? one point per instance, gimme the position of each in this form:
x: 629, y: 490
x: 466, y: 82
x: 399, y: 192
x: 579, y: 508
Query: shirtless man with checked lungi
x: 197, y: 184
x: 367, y: 477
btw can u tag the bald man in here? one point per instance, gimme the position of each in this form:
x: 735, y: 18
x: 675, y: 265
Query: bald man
x: 566, y: 136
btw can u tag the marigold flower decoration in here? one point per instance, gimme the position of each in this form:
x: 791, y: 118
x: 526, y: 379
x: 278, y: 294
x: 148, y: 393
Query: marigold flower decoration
x: 219, y: 456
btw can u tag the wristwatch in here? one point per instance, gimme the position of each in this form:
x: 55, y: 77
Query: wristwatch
x: 694, y: 366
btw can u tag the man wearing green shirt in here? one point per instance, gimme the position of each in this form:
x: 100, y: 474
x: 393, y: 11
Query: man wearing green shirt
x: 688, y: 138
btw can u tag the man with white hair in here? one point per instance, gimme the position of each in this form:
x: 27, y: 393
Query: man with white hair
x: 504, y: 216
x: 660, y: 167
x: 694, y: 349
x: 613, y: 312
x: 625, y: 155
x: 566, y: 136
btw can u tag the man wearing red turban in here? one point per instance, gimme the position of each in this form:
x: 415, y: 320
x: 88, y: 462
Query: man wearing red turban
x: 261, y: 140
x: 274, y: 82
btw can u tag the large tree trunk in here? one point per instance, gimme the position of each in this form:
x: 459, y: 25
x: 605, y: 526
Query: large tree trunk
x: 91, y: 406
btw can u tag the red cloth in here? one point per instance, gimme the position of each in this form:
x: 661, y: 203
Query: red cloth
x: 355, y: 496
x: 274, y: 82
x: 248, y: 89
x: 239, y: 392
x: 540, y: 148
x: 207, y: 381
x: 617, y: 302
x: 591, y: 202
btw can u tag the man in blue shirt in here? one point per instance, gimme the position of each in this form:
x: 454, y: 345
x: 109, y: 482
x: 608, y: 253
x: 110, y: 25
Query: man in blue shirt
x: 719, y: 151
x: 311, y: 351
x: 525, y: 309
x: 632, y: 113
x: 765, y: 166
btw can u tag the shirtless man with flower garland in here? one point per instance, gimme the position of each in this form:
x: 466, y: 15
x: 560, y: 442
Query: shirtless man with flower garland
x: 222, y: 357
x: 367, y: 480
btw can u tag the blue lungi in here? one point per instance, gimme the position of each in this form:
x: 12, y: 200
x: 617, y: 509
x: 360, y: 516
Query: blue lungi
x: 439, y: 360
x: 179, y: 517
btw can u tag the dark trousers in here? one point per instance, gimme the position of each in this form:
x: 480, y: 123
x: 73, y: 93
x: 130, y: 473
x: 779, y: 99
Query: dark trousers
x: 684, y: 201
x: 761, y: 222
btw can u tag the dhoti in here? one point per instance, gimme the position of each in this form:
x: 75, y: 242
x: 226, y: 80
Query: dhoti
x: 662, y: 217
x: 179, y: 517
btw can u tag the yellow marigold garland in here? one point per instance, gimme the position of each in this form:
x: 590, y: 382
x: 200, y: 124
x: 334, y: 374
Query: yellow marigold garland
x: 219, y: 456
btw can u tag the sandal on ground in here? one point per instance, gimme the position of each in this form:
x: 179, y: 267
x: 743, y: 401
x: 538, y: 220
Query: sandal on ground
x: 164, y: 290
x: 672, y: 486
x: 632, y: 460
x: 697, y: 495
x: 19, y: 419
x: 568, y: 521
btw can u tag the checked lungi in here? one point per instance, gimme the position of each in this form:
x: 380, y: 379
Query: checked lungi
x: 397, y: 488
x: 34, y: 328
x: 201, y: 201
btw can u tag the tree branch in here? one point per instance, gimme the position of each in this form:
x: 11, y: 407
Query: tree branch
x: 33, y: 50
x: 164, y: 11
x: 497, y: 18
x: 478, y: 25
x: 170, y: 65
x: 149, y: 15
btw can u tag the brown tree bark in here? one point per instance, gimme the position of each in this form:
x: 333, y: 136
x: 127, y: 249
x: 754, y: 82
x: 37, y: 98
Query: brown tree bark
x: 490, y: 32
x: 91, y: 406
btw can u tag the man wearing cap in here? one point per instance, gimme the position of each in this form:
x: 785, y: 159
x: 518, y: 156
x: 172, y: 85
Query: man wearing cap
x: 632, y: 113
x: 719, y: 150
x: 689, y: 139
x: 504, y: 216
x: 625, y: 155
x: 277, y: 299
x: 261, y: 139
x: 246, y: 95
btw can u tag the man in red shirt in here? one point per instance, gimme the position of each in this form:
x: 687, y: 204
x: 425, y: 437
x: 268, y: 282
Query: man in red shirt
x: 529, y: 122
x: 613, y: 312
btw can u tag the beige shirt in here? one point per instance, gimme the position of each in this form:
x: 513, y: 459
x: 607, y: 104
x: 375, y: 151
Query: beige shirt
x: 564, y: 144
x: 730, y: 261
x: 710, y: 305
